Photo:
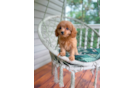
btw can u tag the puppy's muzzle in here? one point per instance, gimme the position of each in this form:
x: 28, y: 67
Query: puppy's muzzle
x: 62, y: 33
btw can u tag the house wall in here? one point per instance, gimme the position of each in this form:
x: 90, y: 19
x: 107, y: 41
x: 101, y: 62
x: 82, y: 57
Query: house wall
x: 41, y: 53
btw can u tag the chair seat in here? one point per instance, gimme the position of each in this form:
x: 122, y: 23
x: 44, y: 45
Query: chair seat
x: 87, y: 58
x: 86, y: 55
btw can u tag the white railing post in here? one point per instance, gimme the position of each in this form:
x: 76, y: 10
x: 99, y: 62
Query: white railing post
x: 92, y: 39
x: 80, y: 38
x: 98, y: 40
x: 85, y: 43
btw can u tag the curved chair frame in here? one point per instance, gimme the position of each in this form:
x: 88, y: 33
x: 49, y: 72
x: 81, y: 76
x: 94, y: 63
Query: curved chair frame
x: 46, y: 35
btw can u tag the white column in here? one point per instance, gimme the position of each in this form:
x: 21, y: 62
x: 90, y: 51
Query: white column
x: 92, y: 39
x: 80, y: 38
x: 98, y: 40
x: 85, y: 43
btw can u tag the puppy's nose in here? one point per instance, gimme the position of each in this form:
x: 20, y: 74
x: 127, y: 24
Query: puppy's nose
x: 62, y: 32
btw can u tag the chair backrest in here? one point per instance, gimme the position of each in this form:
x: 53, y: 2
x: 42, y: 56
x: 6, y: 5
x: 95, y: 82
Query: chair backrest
x: 87, y: 36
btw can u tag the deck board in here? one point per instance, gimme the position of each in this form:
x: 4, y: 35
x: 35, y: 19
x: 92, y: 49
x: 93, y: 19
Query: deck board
x: 83, y: 79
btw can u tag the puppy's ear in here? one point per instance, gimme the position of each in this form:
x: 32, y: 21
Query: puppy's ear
x: 74, y: 32
x: 56, y: 33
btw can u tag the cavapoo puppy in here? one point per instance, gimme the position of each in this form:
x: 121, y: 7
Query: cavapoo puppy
x: 67, y: 39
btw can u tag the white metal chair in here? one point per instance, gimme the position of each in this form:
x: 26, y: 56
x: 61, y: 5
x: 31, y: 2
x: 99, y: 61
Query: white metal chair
x: 46, y: 32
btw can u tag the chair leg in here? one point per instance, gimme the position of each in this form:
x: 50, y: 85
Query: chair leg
x: 56, y: 75
x: 53, y: 68
x: 61, y: 84
x: 72, y: 79
x: 95, y: 84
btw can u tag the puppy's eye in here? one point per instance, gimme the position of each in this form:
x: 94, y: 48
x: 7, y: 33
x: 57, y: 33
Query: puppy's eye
x: 60, y: 28
x: 67, y: 28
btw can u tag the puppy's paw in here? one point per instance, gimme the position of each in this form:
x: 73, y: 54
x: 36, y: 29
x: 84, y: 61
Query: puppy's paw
x: 62, y: 54
x: 71, y: 58
x: 77, y: 54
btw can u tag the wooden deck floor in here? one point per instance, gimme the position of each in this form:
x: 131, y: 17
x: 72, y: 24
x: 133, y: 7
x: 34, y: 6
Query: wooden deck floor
x: 83, y: 79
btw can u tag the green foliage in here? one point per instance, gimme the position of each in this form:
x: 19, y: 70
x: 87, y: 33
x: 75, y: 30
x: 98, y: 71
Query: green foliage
x: 85, y: 10
x: 88, y: 12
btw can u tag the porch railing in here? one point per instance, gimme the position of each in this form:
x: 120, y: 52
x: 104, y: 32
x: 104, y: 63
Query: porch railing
x: 87, y: 38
